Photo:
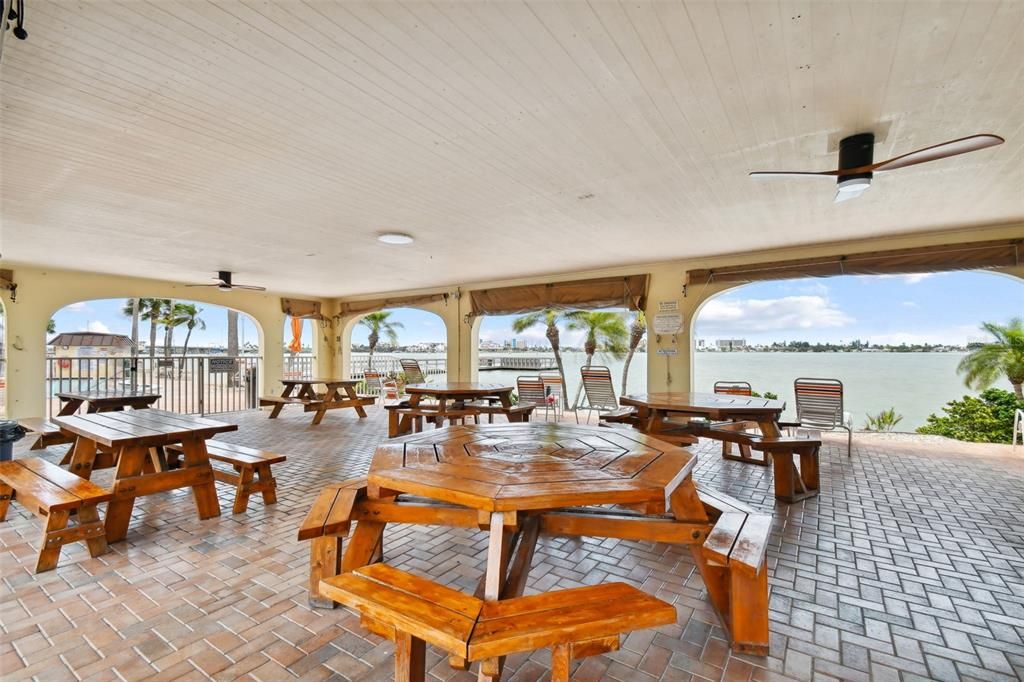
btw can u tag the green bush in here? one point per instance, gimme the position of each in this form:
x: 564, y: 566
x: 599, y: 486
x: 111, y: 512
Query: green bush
x: 767, y: 394
x: 985, y: 419
x: 886, y: 420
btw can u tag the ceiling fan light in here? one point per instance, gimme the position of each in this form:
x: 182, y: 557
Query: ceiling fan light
x: 224, y: 287
x: 854, y: 185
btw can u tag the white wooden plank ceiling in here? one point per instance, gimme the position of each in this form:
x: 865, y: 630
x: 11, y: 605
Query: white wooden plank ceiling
x: 276, y: 139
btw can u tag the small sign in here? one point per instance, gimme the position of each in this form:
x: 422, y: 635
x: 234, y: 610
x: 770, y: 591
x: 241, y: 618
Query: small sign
x: 668, y: 306
x: 668, y: 351
x: 668, y: 323
x: 223, y: 365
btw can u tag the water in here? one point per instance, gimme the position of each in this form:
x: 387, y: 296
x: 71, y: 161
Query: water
x: 916, y: 384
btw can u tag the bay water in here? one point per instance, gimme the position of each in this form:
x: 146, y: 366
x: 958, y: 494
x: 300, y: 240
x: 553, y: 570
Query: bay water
x: 916, y: 384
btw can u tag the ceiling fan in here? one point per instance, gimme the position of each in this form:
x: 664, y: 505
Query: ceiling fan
x: 224, y: 283
x: 856, y: 168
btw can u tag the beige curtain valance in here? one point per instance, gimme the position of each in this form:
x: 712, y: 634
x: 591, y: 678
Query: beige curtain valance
x: 968, y: 256
x: 354, y: 307
x: 297, y: 307
x: 604, y: 292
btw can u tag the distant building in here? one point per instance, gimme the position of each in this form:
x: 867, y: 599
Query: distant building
x: 731, y: 344
x: 70, y: 346
x: 489, y: 345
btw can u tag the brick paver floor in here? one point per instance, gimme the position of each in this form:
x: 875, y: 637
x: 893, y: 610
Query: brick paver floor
x: 909, y: 565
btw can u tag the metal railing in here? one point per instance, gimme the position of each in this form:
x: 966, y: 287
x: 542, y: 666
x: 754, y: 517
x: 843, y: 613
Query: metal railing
x: 299, y: 366
x: 388, y: 365
x: 195, y: 384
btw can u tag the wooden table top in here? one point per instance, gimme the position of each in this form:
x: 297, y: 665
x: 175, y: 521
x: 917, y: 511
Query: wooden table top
x: 107, y: 396
x: 714, y: 405
x: 140, y: 427
x: 531, y: 466
x: 329, y: 382
x: 460, y: 388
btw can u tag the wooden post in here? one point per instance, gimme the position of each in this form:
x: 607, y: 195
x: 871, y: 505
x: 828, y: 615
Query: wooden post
x: 410, y: 658
x: 324, y: 562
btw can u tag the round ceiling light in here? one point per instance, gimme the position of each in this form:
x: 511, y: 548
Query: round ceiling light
x: 395, y: 238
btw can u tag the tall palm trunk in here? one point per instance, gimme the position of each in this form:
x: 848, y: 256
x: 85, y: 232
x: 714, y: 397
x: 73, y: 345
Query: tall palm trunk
x: 371, y: 341
x: 184, y: 351
x: 134, y: 344
x: 168, y: 328
x: 590, y: 347
x: 552, y: 334
x: 636, y: 335
x: 153, y: 315
x: 232, y: 343
x: 1017, y: 388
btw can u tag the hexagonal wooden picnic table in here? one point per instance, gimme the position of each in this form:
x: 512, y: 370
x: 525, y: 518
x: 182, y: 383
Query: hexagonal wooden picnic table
x: 518, y: 480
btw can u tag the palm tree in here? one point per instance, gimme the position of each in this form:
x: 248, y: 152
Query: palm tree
x: 604, y: 330
x: 549, y: 317
x: 151, y: 309
x: 187, y: 314
x: 131, y: 309
x: 169, y: 321
x: 636, y: 333
x: 982, y: 367
x: 378, y: 324
x: 51, y: 326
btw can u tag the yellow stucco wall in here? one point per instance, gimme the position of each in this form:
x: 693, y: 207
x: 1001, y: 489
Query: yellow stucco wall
x: 41, y: 292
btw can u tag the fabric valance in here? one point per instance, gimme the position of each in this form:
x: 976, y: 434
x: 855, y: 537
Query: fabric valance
x: 354, y: 307
x: 967, y: 256
x: 604, y: 292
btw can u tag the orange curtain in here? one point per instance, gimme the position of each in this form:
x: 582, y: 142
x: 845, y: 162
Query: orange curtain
x: 296, y: 345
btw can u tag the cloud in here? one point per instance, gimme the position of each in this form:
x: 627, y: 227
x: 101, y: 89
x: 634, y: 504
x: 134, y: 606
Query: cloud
x: 98, y: 327
x: 918, y: 277
x: 909, y: 304
x: 752, y: 315
x: 79, y: 307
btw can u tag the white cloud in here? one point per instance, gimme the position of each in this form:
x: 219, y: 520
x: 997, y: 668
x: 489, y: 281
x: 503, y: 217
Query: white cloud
x: 98, y: 327
x: 917, y: 277
x: 909, y: 304
x: 752, y: 315
x: 79, y: 307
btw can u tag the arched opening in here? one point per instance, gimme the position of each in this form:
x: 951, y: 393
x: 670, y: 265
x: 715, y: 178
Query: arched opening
x: 895, y: 341
x: 381, y: 339
x: 300, y: 347
x: 510, y: 346
x: 199, y: 357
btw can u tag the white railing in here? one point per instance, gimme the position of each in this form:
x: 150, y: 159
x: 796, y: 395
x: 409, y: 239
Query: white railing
x: 195, y: 384
x: 389, y: 365
x: 299, y: 366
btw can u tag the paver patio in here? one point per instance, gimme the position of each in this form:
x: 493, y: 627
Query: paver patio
x: 909, y: 565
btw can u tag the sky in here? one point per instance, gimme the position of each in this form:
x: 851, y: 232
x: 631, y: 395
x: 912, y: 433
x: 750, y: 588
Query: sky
x: 941, y: 308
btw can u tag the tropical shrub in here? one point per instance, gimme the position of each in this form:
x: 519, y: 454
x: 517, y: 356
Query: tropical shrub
x: 767, y: 394
x: 985, y: 419
x: 886, y: 420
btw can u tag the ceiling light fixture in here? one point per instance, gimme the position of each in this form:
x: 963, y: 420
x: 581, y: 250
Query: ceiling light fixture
x: 395, y: 238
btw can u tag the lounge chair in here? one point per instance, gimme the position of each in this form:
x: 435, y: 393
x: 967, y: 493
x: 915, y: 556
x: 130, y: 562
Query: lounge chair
x: 733, y: 388
x: 1018, y: 427
x: 531, y: 392
x: 819, y: 406
x: 599, y: 392
x: 413, y: 373
x: 554, y: 389
x: 381, y: 387
x: 736, y: 388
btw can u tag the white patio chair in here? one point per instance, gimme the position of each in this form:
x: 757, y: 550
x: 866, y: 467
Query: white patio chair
x: 598, y: 392
x: 1018, y: 427
x: 554, y: 390
x: 819, y: 406
x: 381, y: 387
x: 531, y: 392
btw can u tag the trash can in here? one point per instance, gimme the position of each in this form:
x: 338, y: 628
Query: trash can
x: 10, y: 431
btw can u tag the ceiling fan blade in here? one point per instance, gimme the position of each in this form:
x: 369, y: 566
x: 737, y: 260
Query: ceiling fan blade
x: 942, y: 150
x: 779, y: 174
x: 250, y: 287
x: 202, y: 285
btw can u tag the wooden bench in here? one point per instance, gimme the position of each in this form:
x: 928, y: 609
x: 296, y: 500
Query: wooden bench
x: 326, y: 523
x: 412, y: 611
x: 278, y: 402
x: 248, y: 462
x: 735, y: 554
x: 623, y: 415
x: 51, y: 493
x: 47, y: 433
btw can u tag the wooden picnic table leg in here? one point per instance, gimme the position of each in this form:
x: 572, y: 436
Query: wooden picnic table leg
x: 82, y: 457
x: 119, y: 509
x: 205, y: 494
x: 350, y: 391
x: 324, y: 562
x: 286, y: 393
x: 365, y: 546
x: 69, y: 407
x: 405, y: 424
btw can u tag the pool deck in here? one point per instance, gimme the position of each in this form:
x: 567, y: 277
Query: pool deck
x: 909, y: 565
